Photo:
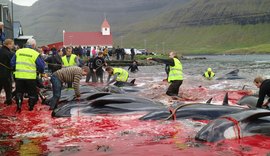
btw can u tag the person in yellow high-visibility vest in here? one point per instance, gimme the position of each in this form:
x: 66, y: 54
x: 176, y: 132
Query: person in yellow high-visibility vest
x: 209, y: 74
x: 69, y: 59
x: 175, y: 75
x: 120, y: 76
x: 27, y: 62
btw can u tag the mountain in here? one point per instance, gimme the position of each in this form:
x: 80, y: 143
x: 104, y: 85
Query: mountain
x: 188, y: 26
x: 47, y: 19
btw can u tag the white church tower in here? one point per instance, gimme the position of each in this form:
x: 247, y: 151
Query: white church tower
x: 105, y: 28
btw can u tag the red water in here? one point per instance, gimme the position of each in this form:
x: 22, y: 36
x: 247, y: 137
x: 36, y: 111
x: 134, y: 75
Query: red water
x: 37, y: 133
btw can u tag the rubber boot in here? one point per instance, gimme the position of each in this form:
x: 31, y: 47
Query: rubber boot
x: 31, y: 103
x: 43, y: 98
x: 8, y: 102
x: 19, y: 100
x: 53, y: 106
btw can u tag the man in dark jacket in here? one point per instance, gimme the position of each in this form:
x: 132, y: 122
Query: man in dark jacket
x: 91, y: 70
x: 5, y: 69
x: 97, y: 67
x: 55, y: 62
x: 264, y: 86
x: 132, y: 54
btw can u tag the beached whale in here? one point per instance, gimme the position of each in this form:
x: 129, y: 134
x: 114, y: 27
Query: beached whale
x: 68, y: 94
x: 121, y: 88
x: 198, y: 111
x: 251, y: 101
x: 236, y: 126
x: 231, y: 76
x: 108, y: 104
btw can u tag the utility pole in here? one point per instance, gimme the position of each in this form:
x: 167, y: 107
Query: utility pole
x: 64, y: 37
x: 163, y: 48
x: 145, y: 44
x: 121, y: 41
x: 12, y: 20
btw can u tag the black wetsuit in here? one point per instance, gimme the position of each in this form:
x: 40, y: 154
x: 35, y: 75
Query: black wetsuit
x: 133, y: 68
x: 264, y: 90
x: 173, y: 89
x: 98, y: 62
x: 91, y: 72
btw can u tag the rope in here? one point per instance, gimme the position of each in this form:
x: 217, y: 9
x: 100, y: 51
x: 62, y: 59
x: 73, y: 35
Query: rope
x: 173, y: 111
x: 5, y: 66
x: 54, y: 64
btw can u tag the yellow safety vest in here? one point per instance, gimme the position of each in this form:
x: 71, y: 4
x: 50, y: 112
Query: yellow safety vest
x: 26, y: 64
x: 175, y: 71
x: 71, y: 60
x: 209, y: 77
x: 123, y: 74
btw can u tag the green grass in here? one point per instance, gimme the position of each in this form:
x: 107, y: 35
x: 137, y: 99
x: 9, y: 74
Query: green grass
x: 264, y: 48
x: 203, y: 39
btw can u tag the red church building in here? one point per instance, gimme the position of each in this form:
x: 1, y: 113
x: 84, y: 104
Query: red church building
x: 89, y: 39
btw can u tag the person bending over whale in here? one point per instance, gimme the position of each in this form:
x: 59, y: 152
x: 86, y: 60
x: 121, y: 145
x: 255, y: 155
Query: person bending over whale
x: 120, y: 76
x: 68, y: 75
x: 175, y: 76
x: 264, y: 89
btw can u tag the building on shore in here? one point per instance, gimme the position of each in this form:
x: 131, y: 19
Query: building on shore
x: 89, y: 39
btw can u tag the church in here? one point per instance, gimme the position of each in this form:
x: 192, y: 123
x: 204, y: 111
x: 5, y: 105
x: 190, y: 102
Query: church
x: 89, y: 39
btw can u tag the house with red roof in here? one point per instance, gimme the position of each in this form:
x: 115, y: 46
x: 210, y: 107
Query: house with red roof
x: 90, y: 39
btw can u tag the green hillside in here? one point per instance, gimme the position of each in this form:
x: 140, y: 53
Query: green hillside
x: 205, y: 26
x: 203, y: 39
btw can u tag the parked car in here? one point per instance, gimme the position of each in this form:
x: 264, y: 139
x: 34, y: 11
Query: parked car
x: 152, y: 53
x: 137, y: 52
x: 143, y: 51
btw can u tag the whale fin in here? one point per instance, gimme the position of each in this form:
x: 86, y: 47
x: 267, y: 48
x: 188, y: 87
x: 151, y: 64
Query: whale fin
x: 225, y: 100
x: 234, y: 72
x: 209, y: 101
x: 133, y: 81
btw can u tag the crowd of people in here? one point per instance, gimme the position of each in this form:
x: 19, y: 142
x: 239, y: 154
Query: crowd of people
x: 108, y: 53
x: 26, y: 66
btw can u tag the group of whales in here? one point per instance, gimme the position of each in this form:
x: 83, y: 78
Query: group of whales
x: 223, y: 118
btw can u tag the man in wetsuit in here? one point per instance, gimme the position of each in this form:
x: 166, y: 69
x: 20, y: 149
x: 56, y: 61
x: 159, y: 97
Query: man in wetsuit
x: 98, y: 63
x: 264, y: 89
x: 175, y: 77
x: 133, y: 67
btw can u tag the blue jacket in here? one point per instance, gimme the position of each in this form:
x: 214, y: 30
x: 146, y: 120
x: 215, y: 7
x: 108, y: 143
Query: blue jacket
x: 40, y: 64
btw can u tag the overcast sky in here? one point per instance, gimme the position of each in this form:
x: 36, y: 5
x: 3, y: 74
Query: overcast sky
x: 24, y: 2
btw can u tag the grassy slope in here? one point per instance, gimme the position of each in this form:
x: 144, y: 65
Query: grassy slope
x: 204, y: 39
